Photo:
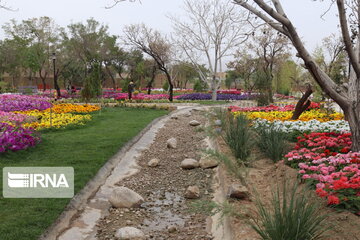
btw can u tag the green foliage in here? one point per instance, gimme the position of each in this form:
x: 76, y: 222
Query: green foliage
x: 271, y: 141
x: 232, y: 78
x: 284, y: 76
x: 199, y: 86
x: 6, y: 87
x: 238, y: 136
x: 166, y: 86
x: 293, y: 214
x: 92, y: 87
x: 263, y: 84
x: 233, y: 168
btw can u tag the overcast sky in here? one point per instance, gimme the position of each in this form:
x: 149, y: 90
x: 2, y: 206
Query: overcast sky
x: 305, y: 14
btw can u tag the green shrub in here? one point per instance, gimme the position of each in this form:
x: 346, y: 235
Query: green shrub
x: 271, y: 141
x: 165, y: 86
x: 238, y: 136
x: 292, y: 215
x: 92, y: 86
x: 199, y: 86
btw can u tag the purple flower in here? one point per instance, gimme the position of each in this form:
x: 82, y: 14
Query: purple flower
x: 16, y: 138
x: 14, y: 102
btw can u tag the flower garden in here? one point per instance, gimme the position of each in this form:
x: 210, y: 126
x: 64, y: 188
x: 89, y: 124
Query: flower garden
x: 322, y: 153
x: 38, y: 131
x: 21, y: 118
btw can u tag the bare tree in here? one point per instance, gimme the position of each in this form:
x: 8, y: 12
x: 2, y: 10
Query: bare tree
x: 3, y: 5
x: 155, y: 45
x: 211, y: 30
x: 115, y: 2
x: 346, y: 95
x: 271, y: 49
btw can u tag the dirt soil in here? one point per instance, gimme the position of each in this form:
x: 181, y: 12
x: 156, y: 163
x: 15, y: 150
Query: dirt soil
x: 263, y: 176
x: 166, y: 214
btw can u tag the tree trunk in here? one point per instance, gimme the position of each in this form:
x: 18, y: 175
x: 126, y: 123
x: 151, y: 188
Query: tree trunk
x: 353, y: 117
x: 43, y: 79
x: 171, y: 86
x: 302, y: 104
x: 213, y: 88
x: 150, y: 83
x: 112, y: 77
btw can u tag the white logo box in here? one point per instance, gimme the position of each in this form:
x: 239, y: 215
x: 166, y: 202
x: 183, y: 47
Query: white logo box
x: 38, y: 182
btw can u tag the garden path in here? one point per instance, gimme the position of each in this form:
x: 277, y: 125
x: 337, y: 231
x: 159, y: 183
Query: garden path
x: 90, y: 216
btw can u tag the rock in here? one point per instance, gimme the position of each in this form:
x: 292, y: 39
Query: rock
x: 194, y: 123
x: 153, y: 162
x: 130, y: 233
x: 218, y: 123
x: 174, y: 117
x: 192, y: 192
x: 238, y: 191
x: 172, y: 229
x: 171, y: 143
x: 218, y: 130
x: 207, y: 162
x: 189, y: 163
x: 123, y: 197
x: 188, y: 114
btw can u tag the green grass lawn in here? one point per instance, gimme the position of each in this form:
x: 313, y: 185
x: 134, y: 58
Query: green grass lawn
x: 85, y: 148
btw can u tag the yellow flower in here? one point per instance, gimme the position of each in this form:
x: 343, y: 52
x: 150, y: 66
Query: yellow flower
x: 54, y: 120
x: 73, y: 108
x: 286, y: 116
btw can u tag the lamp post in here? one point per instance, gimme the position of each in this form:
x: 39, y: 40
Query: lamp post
x: 53, y: 57
x: 56, y: 86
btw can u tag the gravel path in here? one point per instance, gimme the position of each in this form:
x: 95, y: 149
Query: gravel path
x: 166, y: 213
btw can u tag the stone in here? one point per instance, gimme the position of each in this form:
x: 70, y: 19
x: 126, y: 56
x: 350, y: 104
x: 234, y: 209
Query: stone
x: 175, y: 117
x: 192, y: 192
x: 172, y: 229
x: 189, y: 163
x: 218, y: 123
x: 171, y: 143
x: 188, y: 114
x: 123, y: 197
x: 194, y: 123
x: 218, y: 130
x: 238, y: 191
x: 154, y: 162
x: 130, y: 233
x: 207, y: 162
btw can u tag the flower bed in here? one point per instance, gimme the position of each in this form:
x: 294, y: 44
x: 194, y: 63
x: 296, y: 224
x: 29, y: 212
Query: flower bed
x: 286, y: 115
x: 340, y: 126
x: 73, y: 108
x: 270, y: 108
x: 15, y: 118
x: 54, y: 120
x: 14, y: 102
x: 322, y: 156
x: 324, y: 160
x: 16, y: 138
x: 207, y: 96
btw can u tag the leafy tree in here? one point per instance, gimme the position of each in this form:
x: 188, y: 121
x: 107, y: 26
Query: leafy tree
x: 183, y: 72
x: 232, y: 79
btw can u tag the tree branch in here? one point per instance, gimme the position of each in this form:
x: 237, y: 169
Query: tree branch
x: 346, y: 37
